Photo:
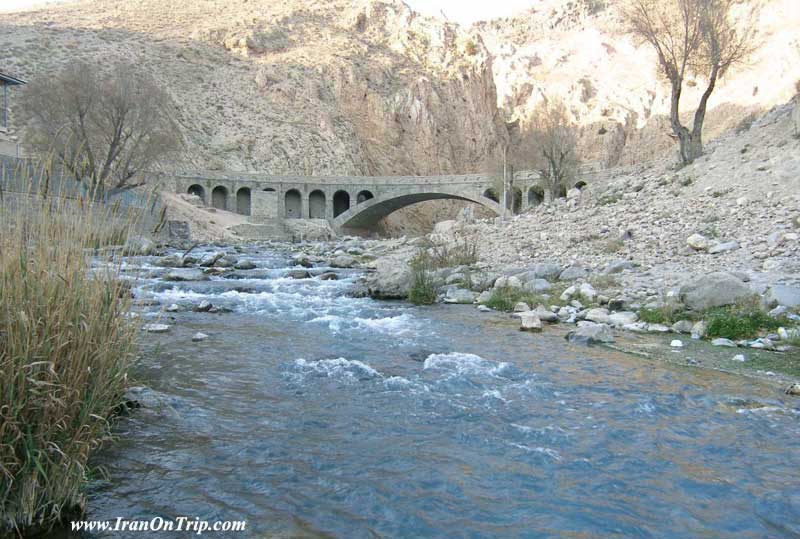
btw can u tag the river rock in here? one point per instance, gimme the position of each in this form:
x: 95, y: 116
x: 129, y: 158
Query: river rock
x: 698, y: 242
x: 156, y: 328
x: 521, y: 307
x: 343, y: 261
x: 676, y: 343
x: 303, y: 260
x: 199, y: 336
x: 169, y: 261
x: 723, y: 342
x: 780, y: 294
x: 298, y: 274
x: 699, y: 330
x: 459, y: 295
x: 587, y: 292
x: 573, y: 273
x: 244, y: 265
x: 172, y: 308
x: 713, y: 290
x: 599, y: 315
x: 329, y: 276
x: 622, y: 318
x: 186, y: 275
x: 392, y: 276
x: 484, y: 296
x: 210, y: 259
x: 658, y: 328
x: 203, y: 307
x: 226, y: 261
x: 590, y: 333
x: 543, y: 270
x: 682, y: 326
x: 530, y: 322
x: 793, y: 390
x: 545, y: 315
x: 723, y: 247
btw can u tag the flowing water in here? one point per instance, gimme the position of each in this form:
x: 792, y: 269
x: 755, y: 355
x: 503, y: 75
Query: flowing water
x: 311, y: 414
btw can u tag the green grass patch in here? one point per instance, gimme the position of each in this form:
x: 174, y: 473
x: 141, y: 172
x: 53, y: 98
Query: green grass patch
x: 667, y: 314
x: 743, y: 321
x: 505, y: 297
x: 423, y: 288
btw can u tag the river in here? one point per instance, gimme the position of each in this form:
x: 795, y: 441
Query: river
x: 307, y: 413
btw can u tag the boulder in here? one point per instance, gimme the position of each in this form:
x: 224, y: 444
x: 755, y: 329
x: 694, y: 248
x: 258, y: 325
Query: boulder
x: 589, y: 333
x: 521, y: 307
x: 599, y: 315
x: 682, y: 326
x: 780, y: 294
x: 298, y: 274
x: 530, y: 322
x: 211, y: 259
x: 545, y: 315
x: 587, y: 292
x: 713, y: 290
x: 181, y: 275
x: 343, y: 261
x: 203, y: 307
x: 244, y: 265
x: 303, y: 261
x: 723, y: 247
x: 724, y: 342
x: 623, y: 318
x: 392, y: 276
x: 156, y: 328
x: 459, y: 295
x: 544, y: 270
x: 699, y: 330
x: 226, y: 261
x: 698, y: 242
x: 484, y: 296
x: 169, y: 261
x: 573, y: 273
x: 329, y: 276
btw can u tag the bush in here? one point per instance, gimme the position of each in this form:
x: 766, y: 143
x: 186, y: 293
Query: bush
x: 667, y: 314
x: 742, y: 321
x: 462, y: 251
x: 504, y: 298
x: 65, y: 346
x: 423, y: 289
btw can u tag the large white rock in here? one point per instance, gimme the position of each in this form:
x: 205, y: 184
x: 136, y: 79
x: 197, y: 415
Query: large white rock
x: 698, y: 242
x: 713, y: 290
x: 530, y: 322
x: 780, y: 294
x: 599, y: 315
x: 623, y: 318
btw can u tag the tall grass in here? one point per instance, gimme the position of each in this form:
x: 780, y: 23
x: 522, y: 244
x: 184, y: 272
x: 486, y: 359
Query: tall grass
x: 66, y: 342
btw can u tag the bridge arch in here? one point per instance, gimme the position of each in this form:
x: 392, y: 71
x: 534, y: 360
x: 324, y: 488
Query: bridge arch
x: 341, y: 202
x: 219, y: 197
x: 197, y: 190
x: 316, y: 204
x: 243, y: 201
x: 363, y: 196
x: 293, y: 204
x: 369, y: 212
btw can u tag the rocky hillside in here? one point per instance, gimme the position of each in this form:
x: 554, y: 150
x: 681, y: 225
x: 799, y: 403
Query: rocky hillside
x: 371, y: 87
x: 576, y: 50
x: 323, y: 87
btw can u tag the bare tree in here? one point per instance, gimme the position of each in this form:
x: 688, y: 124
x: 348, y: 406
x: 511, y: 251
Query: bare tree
x: 551, y: 144
x: 106, y: 129
x: 693, y: 37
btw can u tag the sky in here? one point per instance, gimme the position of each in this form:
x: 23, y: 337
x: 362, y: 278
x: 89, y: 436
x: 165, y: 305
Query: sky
x: 461, y: 11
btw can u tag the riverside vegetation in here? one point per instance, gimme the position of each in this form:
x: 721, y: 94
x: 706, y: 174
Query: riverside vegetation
x: 66, y: 342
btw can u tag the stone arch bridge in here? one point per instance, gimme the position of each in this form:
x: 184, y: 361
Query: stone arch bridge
x: 348, y: 203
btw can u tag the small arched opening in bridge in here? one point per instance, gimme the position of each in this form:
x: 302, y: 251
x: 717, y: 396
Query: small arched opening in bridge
x: 535, y: 196
x: 293, y: 204
x: 219, y: 197
x: 341, y: 202
x: 580, y: 185
x: 363, y: 196
x: 316, y: 205
x: 516, y: 200
x: 243, y: 201
x: 491, y: 194
x: 198, y: 191
x: 268, y: 190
